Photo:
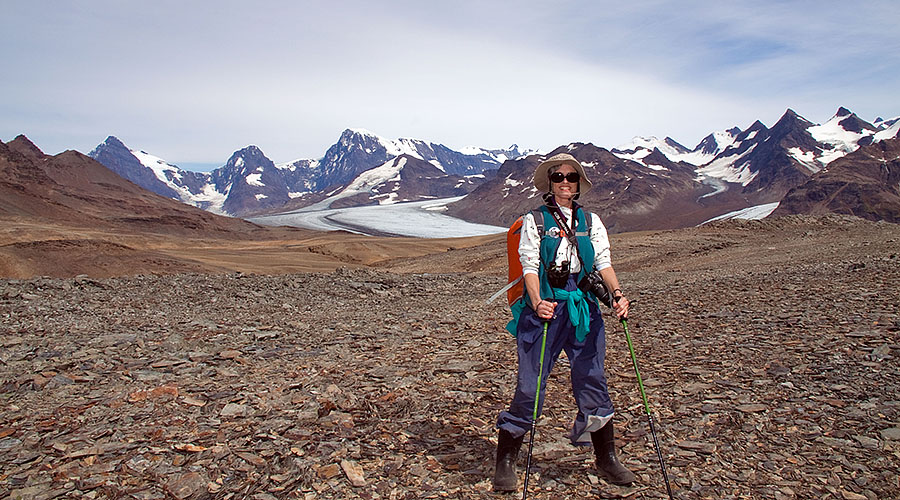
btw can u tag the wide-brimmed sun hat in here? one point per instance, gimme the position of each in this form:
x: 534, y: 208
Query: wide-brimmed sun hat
x: 542, y: 175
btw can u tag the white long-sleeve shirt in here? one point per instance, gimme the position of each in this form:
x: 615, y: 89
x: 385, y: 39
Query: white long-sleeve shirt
x: 530, y: 242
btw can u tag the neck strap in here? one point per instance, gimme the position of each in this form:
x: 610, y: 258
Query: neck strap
x: 557, y: 214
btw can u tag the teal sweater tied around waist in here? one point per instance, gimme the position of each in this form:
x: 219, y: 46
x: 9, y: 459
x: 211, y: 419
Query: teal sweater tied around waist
x: 579, y: 314
x: 576, y: 304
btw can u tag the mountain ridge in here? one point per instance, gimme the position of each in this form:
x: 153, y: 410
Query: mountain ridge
x: 729, y: 170
x: 250, y: 183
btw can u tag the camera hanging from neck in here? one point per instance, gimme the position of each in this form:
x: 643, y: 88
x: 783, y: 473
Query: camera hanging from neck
x: 560, y: 219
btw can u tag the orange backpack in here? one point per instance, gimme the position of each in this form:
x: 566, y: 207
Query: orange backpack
x: 515, y: 286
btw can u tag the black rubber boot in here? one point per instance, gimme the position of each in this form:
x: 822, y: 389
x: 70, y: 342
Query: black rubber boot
x: 607, y: 463
x: 505, y: 478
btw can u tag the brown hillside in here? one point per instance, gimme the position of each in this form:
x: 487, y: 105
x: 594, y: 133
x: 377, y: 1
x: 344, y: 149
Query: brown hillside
x: 865, y: 183
x: 66, y: 215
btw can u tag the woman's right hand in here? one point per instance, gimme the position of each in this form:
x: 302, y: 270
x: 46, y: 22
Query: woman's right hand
x: 545, y: 309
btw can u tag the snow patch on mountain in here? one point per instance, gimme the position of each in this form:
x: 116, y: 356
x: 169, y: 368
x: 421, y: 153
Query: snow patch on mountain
x: 255, y: 179
x: 292, y: 166
x: 641, y: 147
x: 805, y: 158
x: 884, y: 124
x: 159, y: 166
x: 370, y: 179
x: 710, y: 147
x: 729, y: 169
x: 209, y: 198
x: 888, y: 133
x: 838, y: 141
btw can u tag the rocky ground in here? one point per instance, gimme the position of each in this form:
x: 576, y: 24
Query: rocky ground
x: 768, y: 349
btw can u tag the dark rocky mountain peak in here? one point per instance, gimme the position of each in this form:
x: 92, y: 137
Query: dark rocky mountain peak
x: 853, y: 123
x: 842, y: 111
x: 355, y: 152
x: 790, y: 122
x: 755, y: 127
x: 115, y: 155
x: 746, y: 139
x: 25, y: 147
x: 113, y: 142
x: 712, y: 144
x: 248, y: 158
x: 251, y: 182
x: 676, y: 145
x: 242, y: 162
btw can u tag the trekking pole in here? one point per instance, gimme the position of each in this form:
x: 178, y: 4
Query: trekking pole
x: 534, y: 415
x: 662, y: 464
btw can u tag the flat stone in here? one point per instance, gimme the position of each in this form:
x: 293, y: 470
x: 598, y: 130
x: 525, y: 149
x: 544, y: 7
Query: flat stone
x: 891, y: 434
x: 354, y: 473
x: 234, y: 410
x: 697, y: 446
x: 328, y: 471
x: 186, y: 485
x: 752, y: 408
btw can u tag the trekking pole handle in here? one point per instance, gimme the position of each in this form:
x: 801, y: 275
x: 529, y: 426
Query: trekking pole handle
x: 615, y: 300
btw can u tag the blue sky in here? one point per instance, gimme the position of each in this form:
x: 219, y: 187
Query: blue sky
x: 192, y: 82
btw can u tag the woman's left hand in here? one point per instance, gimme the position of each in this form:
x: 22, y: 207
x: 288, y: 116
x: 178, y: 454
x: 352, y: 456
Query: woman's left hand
x: 621, y: 307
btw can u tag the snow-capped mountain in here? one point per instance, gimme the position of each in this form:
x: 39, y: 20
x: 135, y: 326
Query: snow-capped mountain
x: 652, y: 184
x: 251, y: 183
x: 77, y: 191
x: 882, y: 124
x: 629, y: 194
x: 888, y: 133
x: 646, y: 184
x: 404, y: 178
x: 148, y: 171
x: 766, y: 163
x: 157, y: 175
x: 842, y: 134
x: 713, y: 144
x: 359, y: 150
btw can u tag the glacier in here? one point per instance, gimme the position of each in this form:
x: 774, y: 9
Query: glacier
x: 419, y: 219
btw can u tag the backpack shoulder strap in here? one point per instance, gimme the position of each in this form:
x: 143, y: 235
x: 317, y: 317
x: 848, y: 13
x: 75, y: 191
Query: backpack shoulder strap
x: 538, y: 215
x: 588, y: 219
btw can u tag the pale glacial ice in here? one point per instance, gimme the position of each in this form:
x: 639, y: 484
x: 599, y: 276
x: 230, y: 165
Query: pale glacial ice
x: 420, y: 219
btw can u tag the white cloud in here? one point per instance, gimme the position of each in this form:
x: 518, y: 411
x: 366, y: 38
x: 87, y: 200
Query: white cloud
x: 192, y: 82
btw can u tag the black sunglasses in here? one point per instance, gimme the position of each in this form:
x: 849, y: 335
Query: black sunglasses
x: 572, y: 177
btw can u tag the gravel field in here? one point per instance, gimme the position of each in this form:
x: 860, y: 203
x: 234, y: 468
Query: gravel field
x: 769, y: 350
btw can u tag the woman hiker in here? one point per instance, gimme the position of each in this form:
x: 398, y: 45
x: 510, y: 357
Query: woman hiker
x: 553, y: 264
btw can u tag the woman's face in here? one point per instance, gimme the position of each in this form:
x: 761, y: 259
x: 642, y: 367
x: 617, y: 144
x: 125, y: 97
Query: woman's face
x: 564, y: 190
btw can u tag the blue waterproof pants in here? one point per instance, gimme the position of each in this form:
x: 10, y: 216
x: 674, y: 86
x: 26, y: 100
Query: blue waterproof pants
x: 586, y: 358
